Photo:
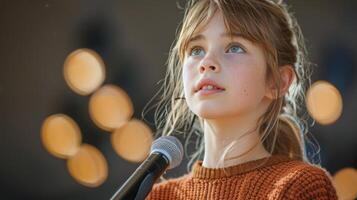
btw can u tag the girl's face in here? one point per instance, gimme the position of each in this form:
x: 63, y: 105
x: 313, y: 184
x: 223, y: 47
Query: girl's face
x: 223, y: 76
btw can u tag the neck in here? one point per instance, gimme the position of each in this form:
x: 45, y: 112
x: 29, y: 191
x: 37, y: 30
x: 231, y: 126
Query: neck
x: 237, y: 140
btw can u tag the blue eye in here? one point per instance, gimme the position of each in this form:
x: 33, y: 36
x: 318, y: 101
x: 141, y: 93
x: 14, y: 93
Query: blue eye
x: 235, y: 49
x: 197, y: 51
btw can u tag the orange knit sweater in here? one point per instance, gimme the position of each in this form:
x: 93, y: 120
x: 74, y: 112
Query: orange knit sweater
x: 276, y: 177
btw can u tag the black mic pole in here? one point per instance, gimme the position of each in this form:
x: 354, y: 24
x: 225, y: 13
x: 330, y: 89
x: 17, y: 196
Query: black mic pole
x: 139, y: 184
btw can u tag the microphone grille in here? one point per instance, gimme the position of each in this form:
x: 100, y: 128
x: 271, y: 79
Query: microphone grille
x: 171, y: 147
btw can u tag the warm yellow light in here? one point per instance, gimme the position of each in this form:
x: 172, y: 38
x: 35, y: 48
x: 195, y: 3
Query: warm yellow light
x: 61, y: 136
x: 88, y: 166
x: 345, y: 182
x: 84, y: 71
x: 324, y: 102
x: 132, y: 141
x: 110, y: 107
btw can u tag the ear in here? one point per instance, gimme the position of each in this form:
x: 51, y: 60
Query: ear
x: 287, y: 76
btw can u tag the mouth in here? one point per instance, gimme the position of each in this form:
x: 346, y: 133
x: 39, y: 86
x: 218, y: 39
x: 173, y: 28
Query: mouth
x: 208, y: 85
x: 210, y: 88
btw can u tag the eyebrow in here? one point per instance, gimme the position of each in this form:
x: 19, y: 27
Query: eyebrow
x: 201, y: 37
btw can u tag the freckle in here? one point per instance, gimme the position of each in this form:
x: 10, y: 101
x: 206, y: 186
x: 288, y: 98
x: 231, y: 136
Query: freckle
x: 245, y: 91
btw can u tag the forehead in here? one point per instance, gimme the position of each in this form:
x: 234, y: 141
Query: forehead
x: 214, y: 23
x: 201, y: 20
x: 224, y: 35
x: 214, y: 26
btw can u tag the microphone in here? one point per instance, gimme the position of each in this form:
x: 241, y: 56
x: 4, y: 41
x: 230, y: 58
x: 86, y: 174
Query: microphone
x: 166, y: 153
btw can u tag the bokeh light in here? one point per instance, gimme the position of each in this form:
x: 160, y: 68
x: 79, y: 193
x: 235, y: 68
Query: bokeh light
x: 61, y: 135
x: 132, y: 141
x: 324, y: 102
x: 345, y: 182
x: 84, y: 71
x: 88, y: 166
x: 110, y: 107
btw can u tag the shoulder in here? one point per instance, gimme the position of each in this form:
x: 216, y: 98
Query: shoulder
x: 306, y: 181
x: 168, y: 188
x: 172, y: 182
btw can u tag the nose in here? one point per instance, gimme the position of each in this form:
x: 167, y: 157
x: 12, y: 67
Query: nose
x: 209, y: 65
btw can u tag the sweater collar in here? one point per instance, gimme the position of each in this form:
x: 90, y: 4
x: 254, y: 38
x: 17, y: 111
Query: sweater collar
x: 198, y: 171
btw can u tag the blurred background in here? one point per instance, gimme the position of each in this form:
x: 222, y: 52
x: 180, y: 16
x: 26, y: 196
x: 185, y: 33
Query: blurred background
x: 133, y: 40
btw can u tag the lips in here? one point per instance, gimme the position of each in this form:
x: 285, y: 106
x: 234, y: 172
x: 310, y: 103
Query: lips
x: 207, y: 84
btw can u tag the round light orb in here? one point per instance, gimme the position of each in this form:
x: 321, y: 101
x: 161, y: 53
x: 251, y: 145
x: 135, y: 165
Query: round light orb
x: 84, y: 71
x: 110, y: 107
x: 345, y: 182
x: 324, y: 102
x: 61, y: 135
x: 88, y: 166
x: 132, y: 141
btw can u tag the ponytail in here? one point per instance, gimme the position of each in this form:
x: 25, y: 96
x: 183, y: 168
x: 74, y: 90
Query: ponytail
x: 288, y: 139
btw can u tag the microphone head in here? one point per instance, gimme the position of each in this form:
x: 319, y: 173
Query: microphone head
x: 171, y: 147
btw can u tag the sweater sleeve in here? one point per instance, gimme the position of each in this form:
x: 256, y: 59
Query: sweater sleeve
x: 312, y: 183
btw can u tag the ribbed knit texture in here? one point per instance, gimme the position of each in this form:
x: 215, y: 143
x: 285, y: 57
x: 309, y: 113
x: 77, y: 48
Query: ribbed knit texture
x: 276, y: 177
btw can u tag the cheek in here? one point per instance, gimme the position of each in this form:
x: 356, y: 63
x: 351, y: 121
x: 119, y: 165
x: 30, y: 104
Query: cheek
x: 187, y: 81
x: 188, y: 76
x: 250, y: 85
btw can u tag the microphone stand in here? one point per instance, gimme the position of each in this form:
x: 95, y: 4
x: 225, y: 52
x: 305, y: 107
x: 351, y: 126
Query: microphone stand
x: 145, y: 187
x: 140, y: 183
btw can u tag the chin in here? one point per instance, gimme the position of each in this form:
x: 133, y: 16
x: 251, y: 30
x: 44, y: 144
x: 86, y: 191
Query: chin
x: 210, y: 113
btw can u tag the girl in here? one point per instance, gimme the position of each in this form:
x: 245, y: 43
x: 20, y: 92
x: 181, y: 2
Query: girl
x: 237, y: 76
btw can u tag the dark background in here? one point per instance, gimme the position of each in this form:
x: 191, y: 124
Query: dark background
x: 133, y: 37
